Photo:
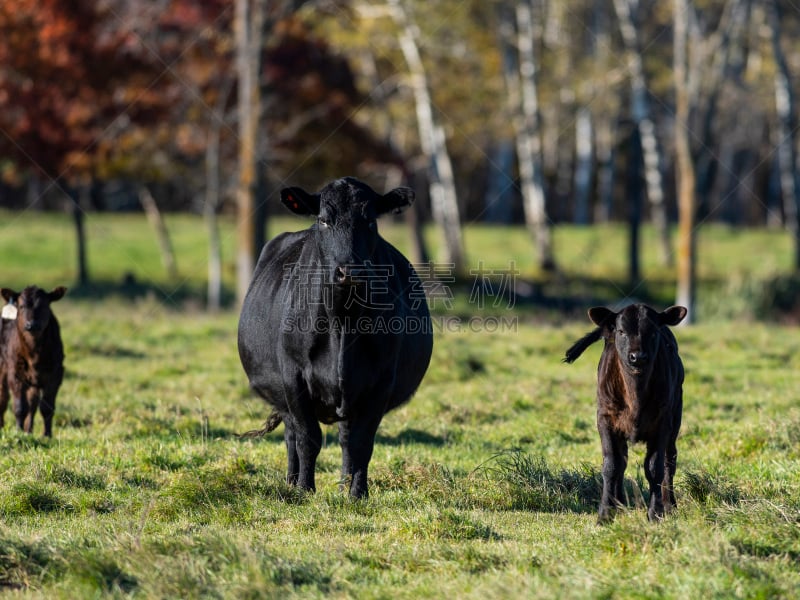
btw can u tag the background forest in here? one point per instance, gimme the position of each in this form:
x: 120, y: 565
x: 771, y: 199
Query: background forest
x: 537, y: 113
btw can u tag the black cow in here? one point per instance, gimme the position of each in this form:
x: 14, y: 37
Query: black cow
x: 639, y: 399
x: 335, y: 327
x: 32, y: 361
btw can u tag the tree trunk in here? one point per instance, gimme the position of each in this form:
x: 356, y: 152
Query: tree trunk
x: 396, y: 175
x: 211, y: 205
x: 786, y: 132
x: 76, y: 197
x: 633, y: 193
x: 444, y: 201
x: 160, y: 228
x: 520, y: 74
x: 685, y: 174
x: 584, y: 161
x: 248, y: 25
x: 640, y: 109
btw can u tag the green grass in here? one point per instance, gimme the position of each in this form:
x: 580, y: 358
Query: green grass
x: 484, y: 485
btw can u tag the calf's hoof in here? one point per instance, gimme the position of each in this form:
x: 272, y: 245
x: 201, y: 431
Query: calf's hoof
x: 605, y: 515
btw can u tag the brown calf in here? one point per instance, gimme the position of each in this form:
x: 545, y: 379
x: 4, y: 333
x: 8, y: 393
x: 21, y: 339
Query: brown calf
x: 639, y: 399
x: 31, y: 356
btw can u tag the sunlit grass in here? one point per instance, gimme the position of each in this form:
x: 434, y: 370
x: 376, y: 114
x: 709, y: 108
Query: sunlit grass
x: 484, y: 485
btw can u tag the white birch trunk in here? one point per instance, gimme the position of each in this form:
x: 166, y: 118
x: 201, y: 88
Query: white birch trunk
x: 640, y: 109
x: 529, y: 143
x: 444, y: 201
x: 685, y: 173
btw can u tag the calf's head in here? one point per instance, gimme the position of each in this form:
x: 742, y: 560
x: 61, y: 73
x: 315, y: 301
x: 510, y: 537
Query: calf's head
x: 636, y: 332
x: 346, y: 232
x: 33, y: 307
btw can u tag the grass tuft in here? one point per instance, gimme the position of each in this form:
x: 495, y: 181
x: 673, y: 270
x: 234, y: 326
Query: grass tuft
x: 532, y: 484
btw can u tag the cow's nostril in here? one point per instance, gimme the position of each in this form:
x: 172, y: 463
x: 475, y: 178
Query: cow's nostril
x: 637, y: 357
x: 340, y: 275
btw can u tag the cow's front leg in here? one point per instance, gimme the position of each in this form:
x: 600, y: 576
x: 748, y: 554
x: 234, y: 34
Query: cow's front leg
x: 654, y: 470
x: 615, y: 460
x: 307, y: 436
x: 357, y: 438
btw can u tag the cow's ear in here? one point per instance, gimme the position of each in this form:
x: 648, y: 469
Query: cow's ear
x: 602, y: 317
x: 396, y: 201
x: 9, y: 295
x: 673, y: 315
x: 57, y: 294
x: 299, y: 201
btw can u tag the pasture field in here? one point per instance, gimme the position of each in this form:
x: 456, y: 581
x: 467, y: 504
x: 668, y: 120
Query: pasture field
x: 484, y: 486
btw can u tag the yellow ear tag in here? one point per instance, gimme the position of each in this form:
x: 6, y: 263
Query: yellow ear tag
x: 9, y: 312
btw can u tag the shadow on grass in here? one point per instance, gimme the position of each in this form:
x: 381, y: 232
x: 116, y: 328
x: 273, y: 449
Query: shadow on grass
x: 129, y: 288
x: 411, y: 436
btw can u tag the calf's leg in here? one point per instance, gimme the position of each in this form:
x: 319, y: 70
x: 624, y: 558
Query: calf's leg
x: 47, y: 407
x: 655, y: 472
x: 20, y: 406
x: 615, y: 460
x: 4, y: 396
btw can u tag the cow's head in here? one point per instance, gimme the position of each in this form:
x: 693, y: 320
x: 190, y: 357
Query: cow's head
x: 346, y: 230
x: 33, y: 307
x: 635, y: 331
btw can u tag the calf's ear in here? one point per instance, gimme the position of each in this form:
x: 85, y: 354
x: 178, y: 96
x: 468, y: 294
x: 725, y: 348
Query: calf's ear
x: 57, y: 293
x: 396, y: 200
x: 601, y: 316
x: 299, y: 201
x: 9, y: 295
x: 673, y: 315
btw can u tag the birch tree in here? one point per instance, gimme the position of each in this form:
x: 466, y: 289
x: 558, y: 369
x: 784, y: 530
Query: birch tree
x: 520, y: 74
x: 444, y: 201
x: 685, y: 173
x: 640, y: 109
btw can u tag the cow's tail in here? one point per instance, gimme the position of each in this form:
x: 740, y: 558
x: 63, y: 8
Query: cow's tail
x: 272, y: 422
x: 582, y: 344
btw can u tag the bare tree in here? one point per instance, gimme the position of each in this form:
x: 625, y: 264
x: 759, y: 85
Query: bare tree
x: 640, y: 109
x: 786, y: 131
x: 248, y: 25
x: 156, y: 221
x: 213, y: 197
x: 520, y: 75
x: 444, y: 201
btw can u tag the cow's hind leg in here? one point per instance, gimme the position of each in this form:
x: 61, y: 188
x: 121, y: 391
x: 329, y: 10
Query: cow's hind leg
x: 293, y: 470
